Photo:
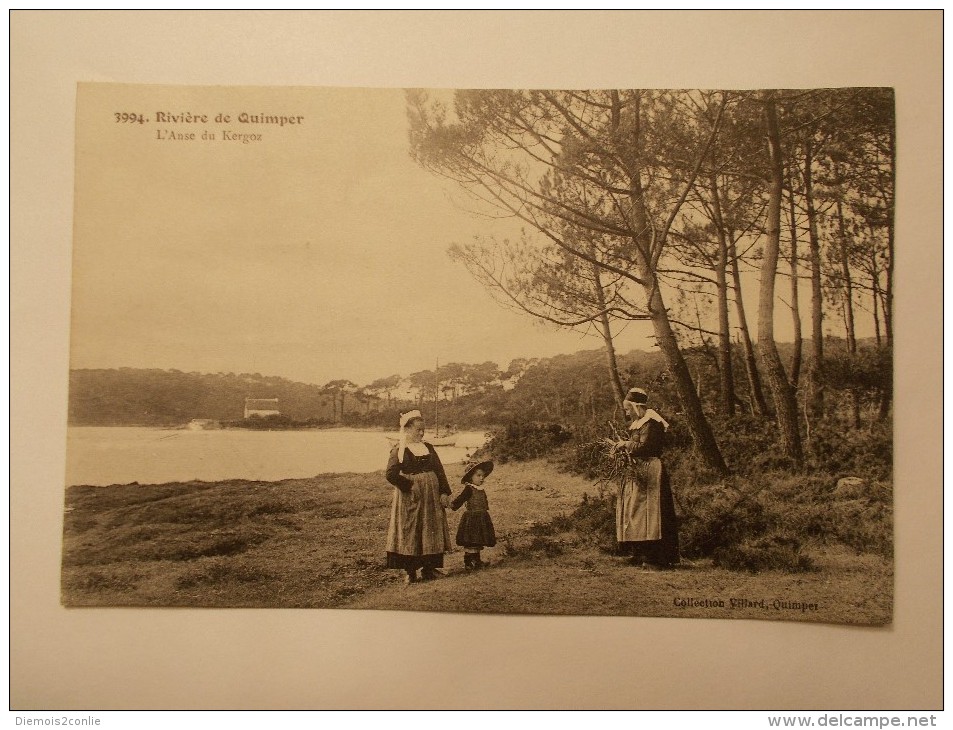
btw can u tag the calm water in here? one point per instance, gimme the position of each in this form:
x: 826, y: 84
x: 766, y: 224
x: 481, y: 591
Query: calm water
x: 118, y: 455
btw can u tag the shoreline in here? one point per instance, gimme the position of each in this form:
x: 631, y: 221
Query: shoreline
x: 184, y: 427
x: 105, y: 456
x: 452, y: 468
x: 236, y: 481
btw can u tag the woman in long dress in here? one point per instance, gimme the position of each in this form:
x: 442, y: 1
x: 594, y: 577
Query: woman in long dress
x: 646, y: 524
x: 418, y: 535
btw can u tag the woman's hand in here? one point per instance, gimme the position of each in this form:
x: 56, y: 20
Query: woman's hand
x: 445, y: 500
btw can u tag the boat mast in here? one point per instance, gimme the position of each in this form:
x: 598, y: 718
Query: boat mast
x: 436, y: 395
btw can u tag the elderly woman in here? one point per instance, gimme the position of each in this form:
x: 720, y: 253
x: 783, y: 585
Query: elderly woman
x: 418, y: 535
x: 646, y: 525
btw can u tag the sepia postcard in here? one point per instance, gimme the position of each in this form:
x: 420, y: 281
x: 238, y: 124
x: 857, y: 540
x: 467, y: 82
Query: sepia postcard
x: 483, y: 351
x: 389, y: 341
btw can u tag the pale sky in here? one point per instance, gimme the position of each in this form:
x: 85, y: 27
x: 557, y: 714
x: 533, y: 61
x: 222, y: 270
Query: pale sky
x: 316, y: 253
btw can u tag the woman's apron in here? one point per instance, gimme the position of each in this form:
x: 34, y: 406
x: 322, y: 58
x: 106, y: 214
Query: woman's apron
x: 418, y: 522
x: 639, y: 503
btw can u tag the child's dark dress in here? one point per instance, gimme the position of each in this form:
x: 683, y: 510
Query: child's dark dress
x: 476, y: 527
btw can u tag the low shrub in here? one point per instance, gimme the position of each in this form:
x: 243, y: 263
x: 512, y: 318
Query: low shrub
x: 867, y: 452
x: 540, y: 539
x: 549, y: 547
x: 190, y: 547
x: 221, y: 572
x: 717, y: 517
x: 594, y: 519
x: 164, y: 544
x: 777, y: 551
x: 78, y: 524
x: 97, y: 580
x: 862, y: 524
x: 523, y: 441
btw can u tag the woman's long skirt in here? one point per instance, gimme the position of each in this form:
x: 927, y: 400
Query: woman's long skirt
x: 418, y: 535
x: 646, y: 524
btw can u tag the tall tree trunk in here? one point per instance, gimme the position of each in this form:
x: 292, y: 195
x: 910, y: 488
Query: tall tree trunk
x: 605, y: 330
x: 848, y: 284
x: 817, y: 294
x: 886, y: 398
x: 758, y: 404
x: 725, y: 370
x: 888, y: 290
x: 618, y: 389
x: 887, y: 395
x: 795, y: 305
x: 875, y: 289
x: 698, y: 426
x: 847, y: 279
x: 784, y: 396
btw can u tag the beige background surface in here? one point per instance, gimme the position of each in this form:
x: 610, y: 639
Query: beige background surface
x: 230, y: 659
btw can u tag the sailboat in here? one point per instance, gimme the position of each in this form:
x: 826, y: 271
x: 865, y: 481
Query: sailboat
x: 446, y: 440
x: 434, y: 439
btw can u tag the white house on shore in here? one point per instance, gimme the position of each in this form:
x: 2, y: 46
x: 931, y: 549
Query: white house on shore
x: 261, y: 407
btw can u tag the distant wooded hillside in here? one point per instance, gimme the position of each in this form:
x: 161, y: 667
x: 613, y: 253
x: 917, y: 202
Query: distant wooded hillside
x: 566, y: 389
x: 561, y: 388
x: 129, y: 396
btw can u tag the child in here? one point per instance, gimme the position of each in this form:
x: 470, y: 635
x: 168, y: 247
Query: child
x: 476, y: 528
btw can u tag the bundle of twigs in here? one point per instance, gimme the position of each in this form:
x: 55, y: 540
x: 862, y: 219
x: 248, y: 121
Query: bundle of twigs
x: 615, y: 462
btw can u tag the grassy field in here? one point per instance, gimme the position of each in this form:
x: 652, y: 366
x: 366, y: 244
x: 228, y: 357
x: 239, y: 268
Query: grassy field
x: 319, y: 543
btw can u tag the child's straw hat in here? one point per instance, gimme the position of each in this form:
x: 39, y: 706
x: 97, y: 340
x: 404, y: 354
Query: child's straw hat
x: 485, y: 466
